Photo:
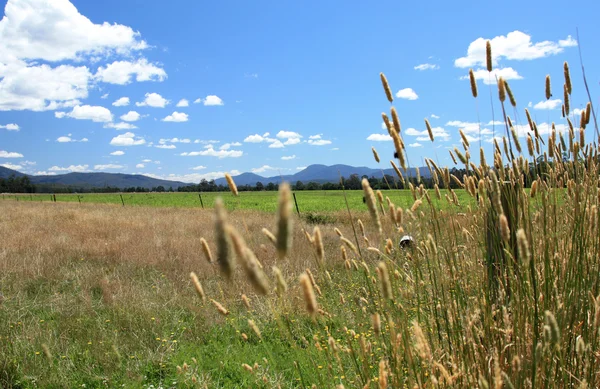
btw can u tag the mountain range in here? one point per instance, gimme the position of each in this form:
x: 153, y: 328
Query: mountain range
x: 316, y: 173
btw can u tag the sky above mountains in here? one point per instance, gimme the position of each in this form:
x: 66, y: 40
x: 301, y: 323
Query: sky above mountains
x: 187, y: 90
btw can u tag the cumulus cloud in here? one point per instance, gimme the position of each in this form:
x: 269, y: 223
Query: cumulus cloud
x: 199, y: 167
x: 87, y: 112
x: 153, y: 100
x: 227, y: 146
x: 416, y: 144
x: 140, y: 166
x: 10, y: 154
x: 120, y: 126
x: 117, y: 153
x: 211, y: 152
x: 127, y: 139
x: 35, y: 31
x: 121, y: 72
x: 263, y: 169
x: 11, y: 127
x: 176, y: 117
x: 255, y: 139
x: 426, y: 66
x: 70, y: 169
x: 407, y: 93
x: 131, y: 116
x: 515, y: 45
x: 174, y: 140
x: 167, y: 147
x: 471, y: 127
x: 435, y: 116
x: 123, y: 101
x: 288, y: 134
x: 379, y: 137
x: 194, y: 177
x: 183, y: 103
x: 108, y: 167
x: 11, y: 166
x: 438, y: 133
x: 548, y: 104
x: 319, y: 142
x: 288, y: 157
x: 489, y: 78
x: 210, y: 100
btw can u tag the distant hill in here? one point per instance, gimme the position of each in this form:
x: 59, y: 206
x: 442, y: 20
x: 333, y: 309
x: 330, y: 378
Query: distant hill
x: 95, y: 180
x: 320, y: 174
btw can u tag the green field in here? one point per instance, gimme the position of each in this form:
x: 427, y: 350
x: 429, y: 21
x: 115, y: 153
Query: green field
x: 308, y: 201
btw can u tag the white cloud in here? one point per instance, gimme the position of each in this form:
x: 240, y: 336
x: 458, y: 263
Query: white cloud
x: 121, y: 72
x: 198, y: 100
x: 289, y: 157
x: 263, y: 169
x: 489, y: 78
x: 254, y: 139
x: 107, y: 167
x: 12, y: 166
x: 416, y: 144
x: 211, y: 152
x: 205, y: 142
x: 379, y: 137
x: 11, y: 127
x: 199, y: 167
x: 140, y: 166
x: 292, y: 141
x: 211, y: 100
x: 435, y: 116
x: 123, y: 101
x: 176, y: 117
x: 120, y: 126
x: 131, y: 116
x: 472, y: 128
x: 548, y: 104
x: 194, y: 177
x: 7, y: 154
x: 227, y: 146
x: 318, y: 136
x: 104, y: 96
x: 168, y: 147
x: 319, y: 142
x: 335, y: 148
x: 117, y: 153
x: 127, y: 139
x: 515, y: 45
x: 301, y: 168
x: 174, y: 140
x: 276, y: 144
x: 64, y: 139
x: 71, y: 168
x: 183, y: 103
x: 53, y: 31
x: 438, y: 133
x: 288, y: 134
x: 87, y: 112
x: 426, y: 66
x: 407, y: 93
x: 153, y: 100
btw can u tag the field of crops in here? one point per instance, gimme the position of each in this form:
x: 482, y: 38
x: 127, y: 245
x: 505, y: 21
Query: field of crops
x: 308, y: 201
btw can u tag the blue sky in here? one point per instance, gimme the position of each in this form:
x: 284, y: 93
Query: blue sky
x: 271, y: 86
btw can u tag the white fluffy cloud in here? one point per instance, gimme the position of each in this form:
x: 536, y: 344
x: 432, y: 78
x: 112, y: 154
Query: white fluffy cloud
x: 194, y: 177
x: 120, y: 126
x: 176, y: 117
x: 211, y: 152
x: 255, y: 139
x: 127, y: 139
x: 123, y: 101
x: 107, y: 167
x: 416, y: 144
x: 407, y: 93
x: 210, y: 100
x: 548, y: 104
x: 140, y: 166
x: 53, y: 31
x: 515, y: 45
x: 379, y: 137
x: 489, y: 78
x: 11, y: 127
x: 426, y: 66
x: 319, y: 142
x: 199, y: 167
x: 166, y: 147
x: 472, y: 128
x: 71, y: 168
x: 227, y: 146
x: 121, y: 72
x: 117, y: 153
x: 263, y: 169
x: 11, y: 166
x: 276, y: 144
x: 434, y: 116
x: 153, y: 100
x: 288, y: 134
x: 87, y: 112
x: 174, y: 140
x: 9, y: 154
x: 438, y: 133
x: 131, y: 116
x: 288, y: 157
x: 183, y: 103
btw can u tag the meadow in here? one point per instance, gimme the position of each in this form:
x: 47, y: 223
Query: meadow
x: 501, y: 288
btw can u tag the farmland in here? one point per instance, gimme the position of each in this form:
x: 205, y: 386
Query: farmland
x: 308, y: 201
